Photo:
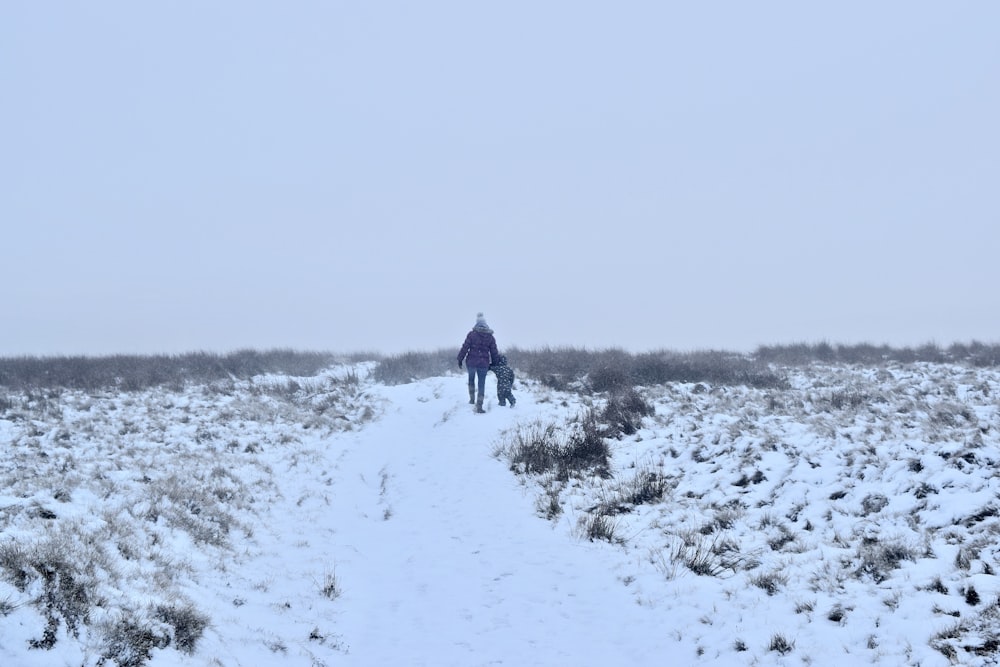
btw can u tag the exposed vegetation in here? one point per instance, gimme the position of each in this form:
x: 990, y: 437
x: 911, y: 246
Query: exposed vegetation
x: 562, y: 368
x: 581, y: 369
x: 177, y: 463
x: 975, y: 354
x: 412, y: 366
x: 136, y: 373
x: 719, y: 459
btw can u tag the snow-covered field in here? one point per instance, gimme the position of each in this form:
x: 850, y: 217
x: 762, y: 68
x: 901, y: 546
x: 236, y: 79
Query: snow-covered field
x: 850, y: 518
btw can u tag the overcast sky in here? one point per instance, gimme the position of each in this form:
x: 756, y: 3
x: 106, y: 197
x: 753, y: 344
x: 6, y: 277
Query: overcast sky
x: 348, y: 176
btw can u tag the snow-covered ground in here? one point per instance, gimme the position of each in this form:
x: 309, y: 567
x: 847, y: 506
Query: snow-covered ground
x: 850, y: 518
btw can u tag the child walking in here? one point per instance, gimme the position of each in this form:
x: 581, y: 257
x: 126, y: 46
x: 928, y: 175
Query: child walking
x: 505, y: 381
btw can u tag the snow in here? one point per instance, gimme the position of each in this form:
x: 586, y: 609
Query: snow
x: 457, y: 575
x: 325, y: 521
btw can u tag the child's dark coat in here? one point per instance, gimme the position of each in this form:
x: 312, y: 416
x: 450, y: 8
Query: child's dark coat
x: 505, y: 381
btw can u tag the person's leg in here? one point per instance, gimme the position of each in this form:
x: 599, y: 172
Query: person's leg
x: 504, y: 391
x: 481, y: 372
x: 481, y: 393
x: 472, y: 385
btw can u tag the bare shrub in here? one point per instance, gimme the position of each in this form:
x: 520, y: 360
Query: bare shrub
x: 130, y: 642
x: 795, y: 354
x: 950, y: 415
x: 937, y: 586
x: 706, y: 556
x: 586, y: 449
x: 805, y: 607
x: 600, y: 527
x: 64, y: 597
x: 412, y: 366
x: 199, y: 506
x: 559, y: 368
x: 621, y: 497
x: 136, y: 373
x: 611, y: 372
x: 712, y: 366
x: 801, y: 354
x: 538, y: 449
x: 330, y: 587
x: 533, y: 449
x: 781, y: 644
x: 975, y: 634
x: 770, y: 582
x: 964, y: 557
x: 850, y: 398
x: 187, y: 622
x: 611, y: 369
x: 726, y: 517
x: 978, y: 354
x: 837, y: 613
x: 624, y: 412
x: 745, y: 480
x: 873, y: 503
x: 646, y: 486
x: 783, y: 537
x: 14, y: 562
x: 878, y: 559
x: 549, y: 505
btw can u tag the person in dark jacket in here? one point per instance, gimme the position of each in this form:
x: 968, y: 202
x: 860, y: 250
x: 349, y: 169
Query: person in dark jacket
x: 505, y: 381
x: 479, y: 352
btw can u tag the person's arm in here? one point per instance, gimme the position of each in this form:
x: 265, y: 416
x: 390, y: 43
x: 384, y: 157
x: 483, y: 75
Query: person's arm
x: 463, y: 352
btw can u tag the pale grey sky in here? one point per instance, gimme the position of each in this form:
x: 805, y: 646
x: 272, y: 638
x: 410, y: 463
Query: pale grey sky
x: 368, y: 175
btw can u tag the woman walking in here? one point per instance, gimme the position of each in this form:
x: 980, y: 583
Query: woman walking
x: 479, y: 352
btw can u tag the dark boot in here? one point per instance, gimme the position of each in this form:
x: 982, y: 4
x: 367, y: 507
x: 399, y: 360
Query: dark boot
x: 512, y: 400
x: 472, y: 394
x: 479, y: 404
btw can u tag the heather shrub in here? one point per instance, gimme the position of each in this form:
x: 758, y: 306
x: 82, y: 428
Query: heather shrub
x: 599, y: 527
x: 800, y: 354
x: 624, y: 412
x: 614, y: 369
x: 187, y: 622
x: 413, y: 366
x: 136, y: 373
x: 538, y: 449
x: 877, y: 558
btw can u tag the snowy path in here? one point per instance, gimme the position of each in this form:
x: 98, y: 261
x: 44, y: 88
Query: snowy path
x: 441, y: 560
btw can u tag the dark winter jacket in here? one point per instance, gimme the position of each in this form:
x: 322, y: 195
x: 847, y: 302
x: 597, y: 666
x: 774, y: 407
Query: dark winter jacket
x: 479, y: 349
x: 505, y: 376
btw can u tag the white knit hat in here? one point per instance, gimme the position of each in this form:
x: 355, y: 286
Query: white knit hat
x: 480, y: 320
